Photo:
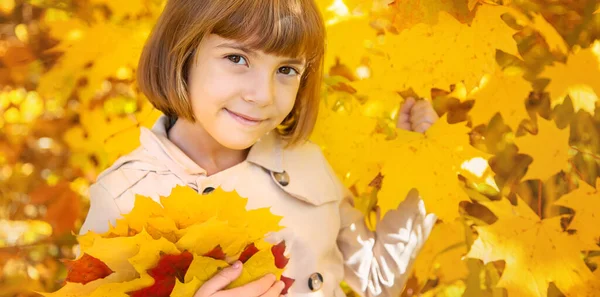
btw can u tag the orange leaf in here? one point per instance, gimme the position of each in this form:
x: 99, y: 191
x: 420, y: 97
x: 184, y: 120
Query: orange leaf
x: 62, y: 204
x: 86, y: 269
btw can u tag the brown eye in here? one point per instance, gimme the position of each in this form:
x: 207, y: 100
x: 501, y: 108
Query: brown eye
x: 287, y: 70
x: 235, y: 58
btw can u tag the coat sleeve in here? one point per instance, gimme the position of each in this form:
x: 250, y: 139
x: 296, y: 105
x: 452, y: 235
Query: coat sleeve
x: 379, y: 263
x: 103, y: 210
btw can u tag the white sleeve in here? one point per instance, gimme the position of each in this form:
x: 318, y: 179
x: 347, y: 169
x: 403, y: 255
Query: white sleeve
x: 379, y: 263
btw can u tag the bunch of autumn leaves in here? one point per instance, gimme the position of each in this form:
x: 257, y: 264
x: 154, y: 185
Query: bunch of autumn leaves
x: 171, y: 250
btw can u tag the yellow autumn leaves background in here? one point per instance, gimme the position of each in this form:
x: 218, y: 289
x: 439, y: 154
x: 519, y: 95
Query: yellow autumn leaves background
x: 510, y: 169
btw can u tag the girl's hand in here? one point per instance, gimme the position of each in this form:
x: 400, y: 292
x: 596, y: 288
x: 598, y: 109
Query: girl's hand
x: 416, y: 116
x: 267, y: 286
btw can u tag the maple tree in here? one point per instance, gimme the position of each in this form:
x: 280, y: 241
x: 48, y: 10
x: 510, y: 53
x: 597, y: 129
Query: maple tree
x: 511, y: 167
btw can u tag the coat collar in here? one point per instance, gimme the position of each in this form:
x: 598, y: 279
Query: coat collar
x: 267, y: 152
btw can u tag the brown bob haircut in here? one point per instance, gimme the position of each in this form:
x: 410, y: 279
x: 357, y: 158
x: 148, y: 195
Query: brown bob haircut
x: 291, y: 28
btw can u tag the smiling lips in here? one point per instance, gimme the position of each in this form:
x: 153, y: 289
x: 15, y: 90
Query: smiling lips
x: 244, y: 119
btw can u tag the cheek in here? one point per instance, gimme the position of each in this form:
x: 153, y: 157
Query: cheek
x: 286, y: 103
x: 209, y: 92
x: 219, y: 87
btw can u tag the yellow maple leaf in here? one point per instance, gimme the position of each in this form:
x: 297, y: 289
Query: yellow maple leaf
x: 348, y: 41
x: 444, y: 51
x: 106, y: 137
x: 186, y: 289
x: 442, y: 254
x: 261, y: 264
x: 536, y: 252
x: 150, y: 252
x: 162, y: 227
x: 585, y: 201
x: 146, y: 215
x: 582, y: 69
x: 144, y: 208
x: 537, y: 22
x: 379, y: 101
x: 201, y: 270
x: 348, y: 156
x: 555, y: 41
x: 263, y: 222
x: 430, y: 163
x: 501, y: 93
x: 188, y: 208
x: 412, y: 12
x: 95, y: 130
x: 65, y: 29
x: 93, y: 46
x: 124, y: 270
x: 472, y: 3
x: 549, y: 149
x: 202, y: 238
x: 127, y: 138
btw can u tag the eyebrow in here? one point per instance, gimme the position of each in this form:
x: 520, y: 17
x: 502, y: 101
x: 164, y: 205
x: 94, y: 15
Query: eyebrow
x: 241, y: 47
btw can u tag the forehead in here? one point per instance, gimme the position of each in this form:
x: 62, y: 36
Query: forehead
x: 216, y: 42
x: 285, y: 28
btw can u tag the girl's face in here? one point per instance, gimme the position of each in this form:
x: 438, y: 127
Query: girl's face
x: 238, y: 95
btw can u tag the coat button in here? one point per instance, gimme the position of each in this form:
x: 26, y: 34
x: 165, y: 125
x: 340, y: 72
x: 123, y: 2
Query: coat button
x: 315, y: 282
x: 282, y: 178
x: 207, y: 190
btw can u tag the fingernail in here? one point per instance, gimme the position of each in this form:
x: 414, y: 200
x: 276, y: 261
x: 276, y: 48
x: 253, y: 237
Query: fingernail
x: 237, y: 264
x: 281, y: 284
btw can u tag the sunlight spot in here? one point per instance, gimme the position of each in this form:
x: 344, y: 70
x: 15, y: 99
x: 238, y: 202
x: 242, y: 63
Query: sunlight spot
x: 583, y: 97
x: 363, y: 72
x: 490, y: 181
x: 476, y: 166
x: 339, y: 8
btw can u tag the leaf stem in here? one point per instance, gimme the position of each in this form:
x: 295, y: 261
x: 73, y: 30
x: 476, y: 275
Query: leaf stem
x: 540, y: 199
x: 579, y: 174
x: 587, y: 153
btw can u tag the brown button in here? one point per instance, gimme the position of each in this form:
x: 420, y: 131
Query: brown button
x: 282, y: 178
x: 315, y: 282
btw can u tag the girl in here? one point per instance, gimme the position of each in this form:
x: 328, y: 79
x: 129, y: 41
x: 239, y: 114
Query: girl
x: 238, y: 82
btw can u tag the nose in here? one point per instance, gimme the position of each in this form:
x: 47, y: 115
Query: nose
x: 261, y: 90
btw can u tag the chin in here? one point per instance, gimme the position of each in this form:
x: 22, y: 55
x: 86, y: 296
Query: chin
x: 237, y: 142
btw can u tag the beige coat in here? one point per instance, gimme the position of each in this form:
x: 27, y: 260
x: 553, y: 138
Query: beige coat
x: 325, y: 236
